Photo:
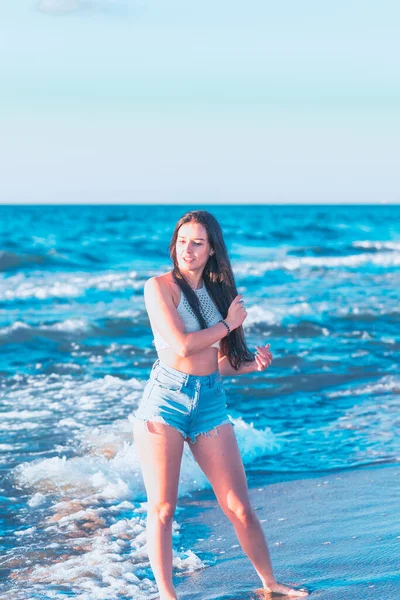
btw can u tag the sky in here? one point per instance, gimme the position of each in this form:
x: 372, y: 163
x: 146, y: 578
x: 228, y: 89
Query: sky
x: 125, y: 101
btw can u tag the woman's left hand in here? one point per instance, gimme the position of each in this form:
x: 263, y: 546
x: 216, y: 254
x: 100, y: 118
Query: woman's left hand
x: 263, y: 357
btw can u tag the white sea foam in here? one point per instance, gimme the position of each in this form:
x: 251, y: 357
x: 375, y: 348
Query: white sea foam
x: 70, y: 325
x: 370, y: 307
x: 112, y: 471
x: 70, y: 285
x: 18, y: 426
x: 386, y: 385
x: 37, y: 499
x: 25, y: 414
x: 95, y: 500
x: 254, y: 442
x: 112, y: 562
x: 353, y: 261
x: 23, y: 532
x: 273, y: 313
x: 377, y: 245
x: 113, y: 556
x: 65, y: 285
x: 17, y: 325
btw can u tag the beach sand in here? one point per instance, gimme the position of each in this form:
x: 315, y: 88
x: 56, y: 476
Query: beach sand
x: 337, y: 535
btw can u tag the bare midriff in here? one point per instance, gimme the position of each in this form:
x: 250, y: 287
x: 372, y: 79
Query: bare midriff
x: 200, y: 363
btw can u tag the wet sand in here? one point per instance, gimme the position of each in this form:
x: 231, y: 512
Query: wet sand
x: 337, y: 535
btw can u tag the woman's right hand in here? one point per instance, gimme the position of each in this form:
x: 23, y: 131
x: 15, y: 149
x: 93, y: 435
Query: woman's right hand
x: 236, y: 313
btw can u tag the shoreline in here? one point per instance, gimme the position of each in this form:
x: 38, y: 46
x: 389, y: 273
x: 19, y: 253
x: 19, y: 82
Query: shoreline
x: 336, y: 535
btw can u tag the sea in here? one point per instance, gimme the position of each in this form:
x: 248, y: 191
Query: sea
x: 321, y: 284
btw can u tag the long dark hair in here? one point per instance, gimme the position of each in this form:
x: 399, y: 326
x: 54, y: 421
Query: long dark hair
x: 219, y: 281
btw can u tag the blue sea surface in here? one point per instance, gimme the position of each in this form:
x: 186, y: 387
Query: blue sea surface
x: 321, y: 285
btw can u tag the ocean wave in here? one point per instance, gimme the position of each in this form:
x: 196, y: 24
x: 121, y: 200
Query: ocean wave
x: 11, y: 260
x: 99, y: 498
x: 389, y: 384
x: 69, y: 325
x: 73, y: 331
x: 43, y: 286
x: 95, y: 500
x: 271, y: 313
x: 77, y: 404
x: 20, y: 332
x: 372, y: 421
x: 297, y: 319
x: 275, y: 329
x: 370, y: 313
x: 377, y: 245
x: 259, y: 268
x: 109, y: 467
x: 25, y: 414
x: 25, y: 426
x: 267, y: 312
x: 52, y: 400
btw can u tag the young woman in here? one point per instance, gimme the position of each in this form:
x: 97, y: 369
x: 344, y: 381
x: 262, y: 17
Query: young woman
x: 196, y: 316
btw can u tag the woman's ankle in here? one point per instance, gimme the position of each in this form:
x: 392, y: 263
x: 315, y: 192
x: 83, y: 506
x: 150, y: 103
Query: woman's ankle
x: 168, y: 595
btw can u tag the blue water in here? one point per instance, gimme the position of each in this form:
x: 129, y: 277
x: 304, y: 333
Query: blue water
x: 321, y: 284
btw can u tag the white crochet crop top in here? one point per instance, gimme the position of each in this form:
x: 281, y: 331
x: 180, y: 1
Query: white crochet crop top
x: 209, y: 310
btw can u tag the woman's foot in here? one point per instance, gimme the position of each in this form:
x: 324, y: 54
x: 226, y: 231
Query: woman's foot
x: 284, y: 590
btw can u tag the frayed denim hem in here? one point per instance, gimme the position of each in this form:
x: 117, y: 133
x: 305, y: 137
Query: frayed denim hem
x: 208, y: 432
x: 191, y: 438
x: 158, y: 419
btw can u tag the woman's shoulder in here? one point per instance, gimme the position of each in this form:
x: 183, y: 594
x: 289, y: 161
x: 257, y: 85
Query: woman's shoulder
x: 164, y: 280
x: 165, y: 284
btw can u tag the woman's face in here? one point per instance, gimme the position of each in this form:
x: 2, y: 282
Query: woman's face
x: 192, y: 247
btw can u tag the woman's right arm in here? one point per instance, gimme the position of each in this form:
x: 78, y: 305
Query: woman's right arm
x: 167, y: 321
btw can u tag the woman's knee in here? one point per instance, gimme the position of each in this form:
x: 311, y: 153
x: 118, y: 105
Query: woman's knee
x: 242, y: 512
x: 163, y: 511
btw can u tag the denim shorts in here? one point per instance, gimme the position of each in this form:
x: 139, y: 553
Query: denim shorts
x: 192, y: 404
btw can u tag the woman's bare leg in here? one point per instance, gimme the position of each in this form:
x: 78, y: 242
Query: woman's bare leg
x: 159, y: 448
x: 219, y: 458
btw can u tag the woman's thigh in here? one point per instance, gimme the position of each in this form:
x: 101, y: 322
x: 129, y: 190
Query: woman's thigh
x: 219, y: 458
x: 159, y: 448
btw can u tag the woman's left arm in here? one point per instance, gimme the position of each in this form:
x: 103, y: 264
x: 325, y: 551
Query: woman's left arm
x: 263, y: 359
